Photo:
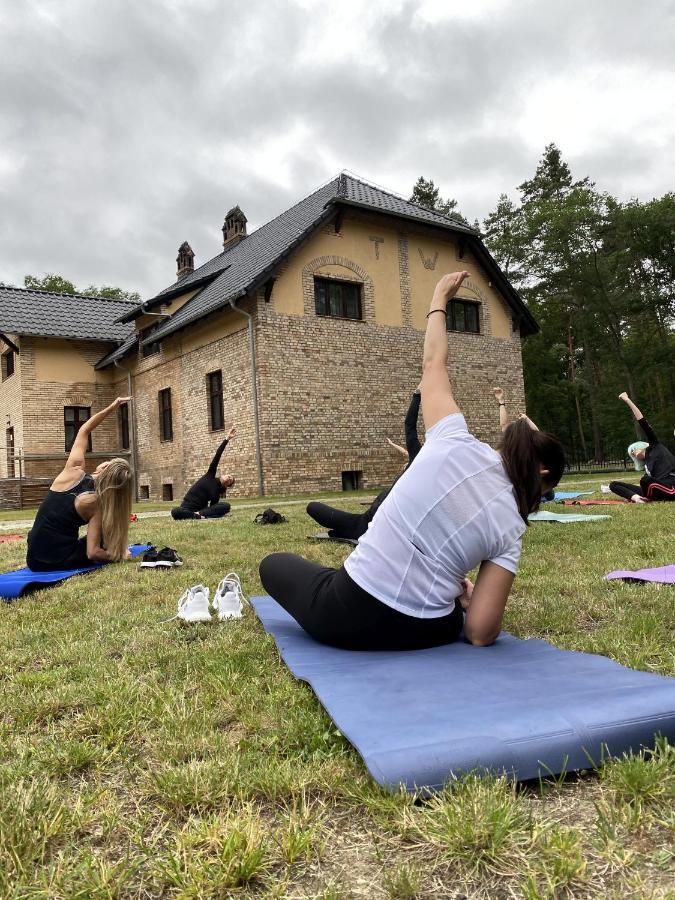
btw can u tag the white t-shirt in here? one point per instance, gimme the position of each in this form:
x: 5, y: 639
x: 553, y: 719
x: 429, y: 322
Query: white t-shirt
x: 452, y: 509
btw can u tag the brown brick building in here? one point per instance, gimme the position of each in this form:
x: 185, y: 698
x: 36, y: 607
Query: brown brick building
x: 307, y: 334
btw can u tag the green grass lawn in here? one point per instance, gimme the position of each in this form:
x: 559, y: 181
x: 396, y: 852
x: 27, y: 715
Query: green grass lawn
x: 142, y: 759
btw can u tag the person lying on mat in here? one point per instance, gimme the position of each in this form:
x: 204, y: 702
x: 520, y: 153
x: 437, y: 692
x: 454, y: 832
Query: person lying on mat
x: 102, y: 501
x: 504, y: 424
x: 652, y: 457
x: 203, y: 500
x: 342, y: 524
x: 461, y: 504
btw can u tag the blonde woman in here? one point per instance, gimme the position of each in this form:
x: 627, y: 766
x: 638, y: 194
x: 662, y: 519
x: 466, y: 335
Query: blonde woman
x: 102, y: 501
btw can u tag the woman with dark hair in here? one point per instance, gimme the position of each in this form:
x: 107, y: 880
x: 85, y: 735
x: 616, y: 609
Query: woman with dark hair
x: 652, y: 457
x: 102, y: 501
x: 343, y: 524
x: 504, y: 424
x: 460, y: 504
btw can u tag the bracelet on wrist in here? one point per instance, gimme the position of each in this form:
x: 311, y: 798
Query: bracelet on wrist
x: 436, y: 310
x: 502, y: 404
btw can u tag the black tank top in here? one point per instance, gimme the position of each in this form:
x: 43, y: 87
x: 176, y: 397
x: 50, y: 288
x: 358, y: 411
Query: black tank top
x: 55, y: 532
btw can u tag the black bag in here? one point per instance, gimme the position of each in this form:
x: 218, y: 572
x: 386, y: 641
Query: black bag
x: 270, y: 517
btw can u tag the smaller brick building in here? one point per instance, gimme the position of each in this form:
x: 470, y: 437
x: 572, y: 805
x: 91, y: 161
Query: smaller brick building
x: 307, y: 334
x: 49, y: 347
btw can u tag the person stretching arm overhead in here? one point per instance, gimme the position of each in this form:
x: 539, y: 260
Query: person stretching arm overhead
x: 102, y: 501
x: 652, y: 457
x: 461, y: 505
x: 343, y: 524
x: 203, y: 499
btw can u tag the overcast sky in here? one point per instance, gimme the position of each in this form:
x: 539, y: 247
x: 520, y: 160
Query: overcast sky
x: 129, y: 127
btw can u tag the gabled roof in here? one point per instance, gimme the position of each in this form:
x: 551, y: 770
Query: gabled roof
x: 75, y: 316
x: 245, y: 266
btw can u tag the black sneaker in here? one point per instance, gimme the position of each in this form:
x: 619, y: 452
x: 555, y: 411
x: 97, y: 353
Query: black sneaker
x: 168, y: 557
x: 149, y: 560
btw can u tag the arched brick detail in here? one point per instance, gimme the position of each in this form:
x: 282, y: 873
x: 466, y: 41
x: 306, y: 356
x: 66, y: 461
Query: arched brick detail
x: 476, y: 293
x: 368, y: 298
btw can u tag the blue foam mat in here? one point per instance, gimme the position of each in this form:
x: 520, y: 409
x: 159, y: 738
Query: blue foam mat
x: 570, y: 495
x: 520, y: 707
x: 21, y: 581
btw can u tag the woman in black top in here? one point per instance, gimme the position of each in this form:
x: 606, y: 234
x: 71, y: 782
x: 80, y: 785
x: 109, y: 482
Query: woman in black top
x: 203, y: 501
x: 658, y: 482
x: 102, y: 501
x: 341, y: 524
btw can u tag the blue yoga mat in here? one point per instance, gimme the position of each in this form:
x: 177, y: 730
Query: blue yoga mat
x: 21, y: 581
x: 523, y: 708
x: 564, y: 518
x: 570, y: 495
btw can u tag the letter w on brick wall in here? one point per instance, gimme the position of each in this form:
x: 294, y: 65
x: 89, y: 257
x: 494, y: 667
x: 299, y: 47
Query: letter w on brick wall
x: 428, y: 262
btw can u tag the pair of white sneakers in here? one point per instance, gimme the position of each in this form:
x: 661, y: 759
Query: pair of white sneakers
x: 228, y: 601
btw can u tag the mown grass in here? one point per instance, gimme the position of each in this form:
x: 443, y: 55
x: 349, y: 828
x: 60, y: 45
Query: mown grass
x: 141, y: 759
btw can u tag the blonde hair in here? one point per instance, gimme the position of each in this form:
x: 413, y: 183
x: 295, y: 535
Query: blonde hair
x: 113, y: 490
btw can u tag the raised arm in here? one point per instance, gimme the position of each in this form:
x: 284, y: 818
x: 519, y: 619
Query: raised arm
x: 503, y: 415
x: 642, y: 422
x: 412, y: 441
x: 213, y: 468
x: 437, y: 398
x: 631, y: 406
x: 79, y: 449
x: 398, y: 447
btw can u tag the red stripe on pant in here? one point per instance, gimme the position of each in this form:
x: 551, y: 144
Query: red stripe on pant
x: 662, y: 488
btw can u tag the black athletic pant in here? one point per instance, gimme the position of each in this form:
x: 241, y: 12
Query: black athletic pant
x: 654, y: 491
x: 334, y: 610
x: 621, y: 489
x: 217, y: 511
x: 344, y: 524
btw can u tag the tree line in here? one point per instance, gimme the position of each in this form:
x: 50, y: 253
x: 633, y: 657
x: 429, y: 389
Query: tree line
x: 599, y: 277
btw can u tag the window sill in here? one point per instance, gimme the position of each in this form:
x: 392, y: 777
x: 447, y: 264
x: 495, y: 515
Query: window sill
x: 456, y: 331
x: 338, y: 318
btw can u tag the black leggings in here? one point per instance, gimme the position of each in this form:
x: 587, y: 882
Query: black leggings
x: 334, y: 610
x: 77, y: 559
x: 217, y: 511
x: 345, y: 524
x: 655, y: 490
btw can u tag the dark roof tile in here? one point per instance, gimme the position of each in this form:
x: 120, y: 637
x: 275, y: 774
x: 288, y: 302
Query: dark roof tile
x: 76, y: 316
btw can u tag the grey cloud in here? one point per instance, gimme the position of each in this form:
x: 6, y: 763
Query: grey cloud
x: 132, y: 124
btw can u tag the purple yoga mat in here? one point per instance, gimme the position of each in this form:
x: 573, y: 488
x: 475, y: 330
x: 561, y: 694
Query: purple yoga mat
x: 662, y: 575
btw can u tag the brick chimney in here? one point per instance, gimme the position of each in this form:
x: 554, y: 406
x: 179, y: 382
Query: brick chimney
x: 234, y: 228
x: 185, y: 260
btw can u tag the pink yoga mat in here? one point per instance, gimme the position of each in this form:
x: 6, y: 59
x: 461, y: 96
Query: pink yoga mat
x: 662, y: 575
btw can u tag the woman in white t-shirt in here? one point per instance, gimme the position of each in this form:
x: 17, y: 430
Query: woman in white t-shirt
x: 459, y: 505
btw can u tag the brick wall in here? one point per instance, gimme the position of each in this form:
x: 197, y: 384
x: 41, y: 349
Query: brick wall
x: 11, y: 411
x: 43, y: 402
x: 180, y: 461
x: 333, y: 390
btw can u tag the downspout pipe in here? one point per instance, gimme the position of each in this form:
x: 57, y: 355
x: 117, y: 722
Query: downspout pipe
x: 254, y: 394
x: 132, y: 422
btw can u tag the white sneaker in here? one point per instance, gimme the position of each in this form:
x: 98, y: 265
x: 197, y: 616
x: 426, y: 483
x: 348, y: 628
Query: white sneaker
x: 229, y: 597
x: 193, y: 606
x: 604, y: 489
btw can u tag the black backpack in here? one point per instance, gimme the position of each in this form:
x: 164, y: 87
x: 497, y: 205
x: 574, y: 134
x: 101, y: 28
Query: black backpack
x: 270, y: 517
